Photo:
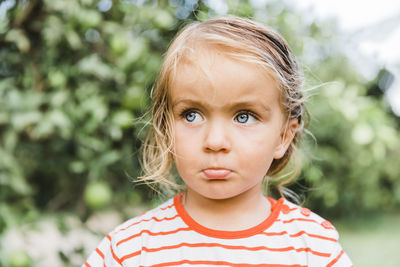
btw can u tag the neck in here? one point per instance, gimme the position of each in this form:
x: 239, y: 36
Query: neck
x: 237, y: 213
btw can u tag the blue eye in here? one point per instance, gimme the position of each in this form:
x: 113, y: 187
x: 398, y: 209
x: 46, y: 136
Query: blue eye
x: 192, y: 116
x: 245, y: 118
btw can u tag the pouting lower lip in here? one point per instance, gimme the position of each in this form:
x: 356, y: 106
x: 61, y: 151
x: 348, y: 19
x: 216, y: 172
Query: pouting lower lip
x: 215, y: 174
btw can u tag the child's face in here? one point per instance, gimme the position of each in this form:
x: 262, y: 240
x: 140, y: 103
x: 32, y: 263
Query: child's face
x: 228, y: 125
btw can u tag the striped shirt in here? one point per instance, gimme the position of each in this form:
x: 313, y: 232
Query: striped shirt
x: 168, y: 236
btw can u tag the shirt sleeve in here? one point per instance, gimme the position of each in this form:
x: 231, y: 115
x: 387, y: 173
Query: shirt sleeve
x: 103, y: 255
x: 339, y: 258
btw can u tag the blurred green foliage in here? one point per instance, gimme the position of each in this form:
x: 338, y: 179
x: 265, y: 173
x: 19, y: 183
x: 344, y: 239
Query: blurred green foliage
x: 75, y: 78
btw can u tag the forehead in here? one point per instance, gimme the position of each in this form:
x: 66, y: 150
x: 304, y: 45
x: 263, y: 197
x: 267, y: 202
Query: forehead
x: 209, y: 72
x: 201, y: 59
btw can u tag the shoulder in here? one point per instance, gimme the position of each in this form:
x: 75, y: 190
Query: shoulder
x: 312, y: 232
x: 162, y: 213
x: 124, y: 238
x: 301, y: 218
x: 304, y: 227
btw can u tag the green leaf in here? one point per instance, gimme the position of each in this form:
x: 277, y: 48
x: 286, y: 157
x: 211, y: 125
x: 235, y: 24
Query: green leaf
x: 19, y: 38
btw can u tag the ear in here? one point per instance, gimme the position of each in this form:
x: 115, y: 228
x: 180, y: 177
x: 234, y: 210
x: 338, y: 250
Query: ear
x: 287, y: 136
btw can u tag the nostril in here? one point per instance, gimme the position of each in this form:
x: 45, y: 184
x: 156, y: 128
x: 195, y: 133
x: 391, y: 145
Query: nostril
x: 216, y: 143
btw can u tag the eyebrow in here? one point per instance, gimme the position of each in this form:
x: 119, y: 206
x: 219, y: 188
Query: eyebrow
x: 233, y: 105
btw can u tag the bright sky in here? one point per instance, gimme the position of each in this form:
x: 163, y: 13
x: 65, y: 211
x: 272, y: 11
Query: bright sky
x: 353, y: 14
x: 376, y: 28
x: 358, y: 15
x: 371, y: 34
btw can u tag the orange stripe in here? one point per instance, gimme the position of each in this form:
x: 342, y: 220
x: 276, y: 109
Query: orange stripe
x: 134, y: 254
x: 100, y: 253
x: 188, y: 229
x: 150, y: 219
x: 168, y: 207
x: 222, y: 263
x: 115, y: 256
x: 152, y: 234
x: 321, y: 254
x: 335, y: 259
x: 273, y: 233
x: 299, y: 219
x: 236, y: 247
x: 196, y: 245
x: 299, y: 234
x: 313, y: 235
x: 109, y: 237
x: 87, y: 264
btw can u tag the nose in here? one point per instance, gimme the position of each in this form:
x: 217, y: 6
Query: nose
x: 217, y: 137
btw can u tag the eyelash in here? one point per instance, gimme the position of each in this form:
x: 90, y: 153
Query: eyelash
x: 184, y: 112
x: 248, y: 112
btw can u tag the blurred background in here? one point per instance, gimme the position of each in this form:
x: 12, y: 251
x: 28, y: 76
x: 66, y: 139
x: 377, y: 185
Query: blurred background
x: 75, y: 78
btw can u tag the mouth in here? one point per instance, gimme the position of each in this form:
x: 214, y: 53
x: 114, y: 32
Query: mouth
x: 216, y: 173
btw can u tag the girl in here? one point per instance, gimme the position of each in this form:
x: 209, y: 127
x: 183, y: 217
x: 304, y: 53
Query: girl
x: 227, y: 112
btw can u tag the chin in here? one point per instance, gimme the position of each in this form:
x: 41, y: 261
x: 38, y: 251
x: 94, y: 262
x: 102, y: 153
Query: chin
x: 219, y: 196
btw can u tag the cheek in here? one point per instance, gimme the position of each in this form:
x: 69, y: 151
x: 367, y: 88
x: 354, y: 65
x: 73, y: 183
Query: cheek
x: 257, y: 149
x: 180, y: 139
x: 185, y: 154
x: 185, y: 144
x: 259, y: 141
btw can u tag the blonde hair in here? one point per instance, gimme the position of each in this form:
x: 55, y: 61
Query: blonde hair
x: 241, y: 39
